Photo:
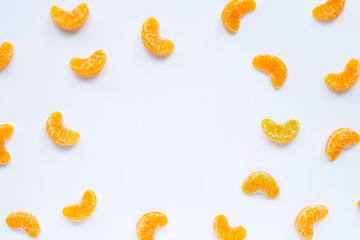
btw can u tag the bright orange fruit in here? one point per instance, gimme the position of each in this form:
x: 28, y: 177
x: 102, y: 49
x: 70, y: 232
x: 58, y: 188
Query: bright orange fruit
x: 339, y: 140
x: 89, y: 66
x: 6, y: 131
x: 346, y: 79
x: 307, y: 218
x: 70, y: 19
x: 153, y: 41
x: 272, y: 65
x: 83, y: 209
x: 58, y: 132
x: 261, y: 182
x: 281, y: 133
x: 233, y: 11
x: 224, y: 231
x: 24, y: 220
x: 6, y: 53
x: 358, y: 203
x: 149, y: 223
x: 329, y: 10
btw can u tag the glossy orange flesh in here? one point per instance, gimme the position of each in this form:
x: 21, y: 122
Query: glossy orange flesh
x: 70, y: 19
x: 82, y: 209
x: 89, y: 66
x: 233, y: 11
x: 307, y: 218
x: 261, y: 182
x: 25, y: 221
x: 346, y: 79
x: 58, y: 132
x: 273, y: 66
x: 329, y: 10
x: 6, y: 53
x: 149, y: 223
x: 224, y: 231
x: 340, y: 140
x: 281, y: 133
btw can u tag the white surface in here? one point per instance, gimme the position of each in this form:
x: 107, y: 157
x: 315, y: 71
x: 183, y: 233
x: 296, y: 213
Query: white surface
x: 180, y: 134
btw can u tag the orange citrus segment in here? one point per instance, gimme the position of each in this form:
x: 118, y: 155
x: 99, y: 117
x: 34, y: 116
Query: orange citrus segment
x: 346, y: 79
x: 6, y: 53
x: 6, y: 131
x: 70, y: 19
x: 272, y: 65
x: 358, y: 203
x: 339, y: 140
x: 24, y: 220
x: 224, y: 231
x: 233, y: 11
x: 261, y: 182
x: 149, y: 223
x: 307, y: 218
x: 89, y: 66
x: 329, y: 10
x: 281, y: 133
x: 58, y: 132
x: 83, y: 209
x: 153, y: 41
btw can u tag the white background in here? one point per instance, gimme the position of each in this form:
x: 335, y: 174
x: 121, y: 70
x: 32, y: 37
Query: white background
x: 179, y: 134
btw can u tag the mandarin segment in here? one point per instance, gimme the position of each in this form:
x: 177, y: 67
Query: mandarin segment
x: 70, y: 19
x: 224, y: 231
x: 346, y: 79
x: 24, y: 220
x: 340, y: 140
x: 307, y: 218
x: 58, y: 132
x: 6, y: 131
x: 281, y: 133
x: 6, y: 53
x: 83, y: 209
x: 273, y: 66
x: 152, y: 39
x: 89, y: 66
x: 329, y: 10
x: 261, y: 181
x: 149, y: 223
x: 233, y: 11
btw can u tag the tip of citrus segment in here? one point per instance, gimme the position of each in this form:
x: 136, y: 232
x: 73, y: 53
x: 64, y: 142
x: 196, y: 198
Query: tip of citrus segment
x: 70, y: 20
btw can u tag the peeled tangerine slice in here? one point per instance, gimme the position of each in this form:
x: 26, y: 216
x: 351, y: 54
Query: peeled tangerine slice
x: 261, y: 182
x: 152, y: 40
x: 281, y: 133
x: 272, y: 65
x: 307, y: 218
x: 58, y: 132
x: 329, y: 10
x: 83, y: 209
x: 6, y: 131
x: 6, y: 53
x: 224, y: 231
x: 89, y: 66
x: 339, y: 140
x: 70, y: 19
x: 149, y: 223
x: 233, y: 11
x: 24, y: 220
x: 346, y: 79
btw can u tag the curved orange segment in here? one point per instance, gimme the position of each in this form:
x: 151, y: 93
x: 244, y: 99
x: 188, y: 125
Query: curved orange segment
x: 340, y: 140
x: 82, y: 209
x: 149, y: 223
x: 281, y: 133
x: 346, y: 79
x: 261, y: 182
x: 307, y: 218
x: 70, y: 19
x: 152, y: 39
x: 329, y: 10
x: 224, y: 231
x: 273, y: 66
x: 6, y: 53
x: 58, y: 132
x: 24, y: 220
x: 233, y: 11
x: 6, y: 131
x: 89, y: 66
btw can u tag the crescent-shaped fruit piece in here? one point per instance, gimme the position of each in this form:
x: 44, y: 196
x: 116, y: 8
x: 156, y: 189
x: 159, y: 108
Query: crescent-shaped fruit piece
x: 281, y: 133
x: 6, y: 131
x: 273, y: 66
x: 329, y: 10
x: 261, y: 182
x: 224, y: 231
x: 70, y: 19
x: 6, y: 53
x: 58, y: 132
x: 307, y: 218
x: 153, y: 41
x: 346, y: 79
x: 24, y: 220
x: 233, y: 11
x: 339, y: 140
x: 83, y: 209
x: 149, y: 223
x: 89, y: 66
